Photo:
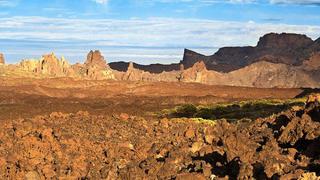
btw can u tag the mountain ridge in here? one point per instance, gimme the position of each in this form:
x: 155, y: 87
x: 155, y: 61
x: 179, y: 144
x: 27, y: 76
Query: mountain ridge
x: 279, y: 60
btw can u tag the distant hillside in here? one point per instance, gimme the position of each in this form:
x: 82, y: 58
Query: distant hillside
x: 286, y: 48
x: 290, y: 49
x: 153, y: 68
x: 278, y: 60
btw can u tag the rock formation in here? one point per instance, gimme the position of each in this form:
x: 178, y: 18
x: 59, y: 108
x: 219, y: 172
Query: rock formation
x: 278, y: 60
x: 290, y: 49
x: 94, y: 58
x: 197, y: 73
x: 2, y: 61
x: 286, y: 48
x: 48, y: 65
x: 95, y: 67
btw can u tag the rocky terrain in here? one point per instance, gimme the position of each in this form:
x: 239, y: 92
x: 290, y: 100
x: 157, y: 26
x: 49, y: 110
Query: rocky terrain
x: 89, y: 121
x: 279, y: 60
x: 82, y: 138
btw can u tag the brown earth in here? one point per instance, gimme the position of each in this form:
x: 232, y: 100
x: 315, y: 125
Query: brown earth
x: 26, y: 97
x: 106, y: 130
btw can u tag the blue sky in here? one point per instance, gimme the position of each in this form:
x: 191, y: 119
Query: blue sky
x: 145, y: 31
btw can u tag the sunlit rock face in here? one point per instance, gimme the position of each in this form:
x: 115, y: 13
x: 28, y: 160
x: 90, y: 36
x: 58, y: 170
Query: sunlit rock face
x: 48, y: 65
x: 96, y: 67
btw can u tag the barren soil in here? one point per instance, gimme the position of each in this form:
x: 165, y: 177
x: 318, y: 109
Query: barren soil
x: 29, y: 97
x: 61, y: 128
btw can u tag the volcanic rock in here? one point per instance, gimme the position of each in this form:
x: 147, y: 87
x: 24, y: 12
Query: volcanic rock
x: 95, y: 67
x: 133, y: 74
x: 48, y: 65
x: 81, y: 145
x: 197, y: 73
x: 286, y: 48
x: 2, y: 61
x: 313, y: 63
x: 152, y: 68
x: 284, y: 40
x: 94, y: 58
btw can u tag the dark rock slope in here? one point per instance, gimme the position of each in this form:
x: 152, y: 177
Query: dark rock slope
x: 290, y: 49
x: 153, y: 68
x: 286, y: 48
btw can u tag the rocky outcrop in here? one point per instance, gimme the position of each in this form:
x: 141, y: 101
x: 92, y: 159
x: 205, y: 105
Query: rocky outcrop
x: 2, y: 61
x: 94, y: 58
x: 284, y: 41
x: 48, y: 65
x: 285, y: 48
x: 261, y: 74
x: 197, y: 73
x: 95, y: 67
x: 279, y: 60
x: 133, y: 74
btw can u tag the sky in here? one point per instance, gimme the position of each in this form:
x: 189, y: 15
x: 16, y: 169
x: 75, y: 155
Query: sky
x: 145, y: 31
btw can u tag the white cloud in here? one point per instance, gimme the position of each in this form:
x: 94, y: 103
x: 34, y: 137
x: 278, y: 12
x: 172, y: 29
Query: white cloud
x: 75, y: 35
x: 101, y: 1
x: 8, y: 3
x: 302, y: 2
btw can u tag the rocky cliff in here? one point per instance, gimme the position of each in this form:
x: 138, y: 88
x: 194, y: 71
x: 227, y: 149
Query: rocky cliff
x: 260, y: 74
x: 286, y: 48
x: 48, y: 65
x: 96, y: 67
x: 278, y: 60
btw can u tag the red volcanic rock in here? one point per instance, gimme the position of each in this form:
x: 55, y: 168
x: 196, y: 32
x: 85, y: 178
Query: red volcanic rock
x: 2, y: 58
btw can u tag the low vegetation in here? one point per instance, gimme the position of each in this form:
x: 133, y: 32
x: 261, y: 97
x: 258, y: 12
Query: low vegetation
x: 236, y: 110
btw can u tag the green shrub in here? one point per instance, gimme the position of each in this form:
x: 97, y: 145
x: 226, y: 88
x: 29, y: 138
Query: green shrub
x: 187, y: 110
x: 205, y: 113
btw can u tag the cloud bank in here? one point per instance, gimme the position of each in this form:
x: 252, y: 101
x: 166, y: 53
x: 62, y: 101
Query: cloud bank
x: 152, y: 38
x: 301, y: 2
